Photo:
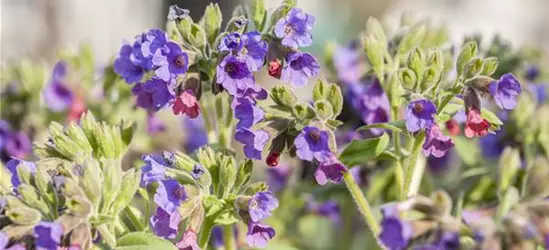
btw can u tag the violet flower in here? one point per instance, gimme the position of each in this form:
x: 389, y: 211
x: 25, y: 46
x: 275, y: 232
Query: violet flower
x: 234, y: 75
x: 329, y: 209
x: 373, y: 104
x: 154, y: 170
x: 169, y: 195
x: 18, y: 145
x: 253, y: 50
x: 395, y: 233
x: 349, y: 65
x: 436, y: 143
x: 247, y: 113
x: 196, y: 134
x: 299, y: 67
x: 57, y: 96
x: 175, y: 13
x: 172, y: 63
x: 5, y: 130
x: 330, y: 170
x: 312, y: 143
x: 277, y: 177
x: 153, y: 94
x: 258, y: 234
x: 12, y: 167
x: 295, y: 28
x: 165, y: 224
x: 505, y: 91
x: 420, y: 115
x: 254, y: 141
x: 154, y: 125
x: 48, y: 235
x: 261, y: 205
x: 232, y: 42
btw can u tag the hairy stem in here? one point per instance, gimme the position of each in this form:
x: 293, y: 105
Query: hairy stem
x: 228, y: 238
x: 414, y: 173
x: 205, y: 232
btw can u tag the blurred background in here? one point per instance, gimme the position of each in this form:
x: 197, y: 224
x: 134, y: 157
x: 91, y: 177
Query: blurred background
x: 37, y: 28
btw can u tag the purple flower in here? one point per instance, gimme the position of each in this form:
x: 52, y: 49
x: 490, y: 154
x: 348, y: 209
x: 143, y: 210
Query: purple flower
x: 169, y: 195
x: 436, y: 143
x: 330, y: 170
x: 395, y: 233
x: 230, y: 43
x: 254, y: 141
x: 234, y: 75
x: 4, y: 240
x: 57, y: 95
x: 261, y: 205
x: 253, y: 50
x: 48, y: 235
x: 197, y: 171
x: 492, y: 145
x: 153, y: 94
x: 532, y: 72
x: 295, y: 28
x: 349, y: 65
x: 247, y: 113
x: 259, y: 234
x: 539, y: 91
x: 420, y: 115
x: 14, y: 164
x: 505, y: 91
x: 165, y: 224
x: 189, y: 241
x: 329, y: 209
x: 217, y: 236
x: 277, y: 177
x: 439, y: 165
x: 175, y: 13
x: 5, y: 129
x: 299, y: 67
x: 312, y: 143
x: 196, y: 135
x: 171, y: 64
x: 358, y: 175
x: 373, y: 105
x: 154, y: 125
x: 125, y: 67
x: 18, y: 145
x: 154, y: 170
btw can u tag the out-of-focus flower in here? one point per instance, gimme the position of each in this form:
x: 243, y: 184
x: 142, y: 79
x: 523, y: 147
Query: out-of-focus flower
x: 254, y: 141
x: 18, y: 145
x: 539, y: 91
x: 420, y: 115
x: 189, y: 241
x: 78, y: 107
x: 436, y: 143
x: 505, y: 91
x: 532, y: 72
x: 312, y: 143
x: 395, y: 233
x: 330, y: 170
x: 277, y: 177
x: 258, y: 234
x: 261, y: 205
x: 453, y: 127
x: 295, y: 28
x: 57, y: 95
x: 186, y: 103
x: 371, y: 103
x: 299, y: 67
x: 349, y: 65
x: 5, y: 130
x: 48, y: 235
x: 153, y: 94
x: 329, y: 209
x: 195, y: 134
x: 154, y: 125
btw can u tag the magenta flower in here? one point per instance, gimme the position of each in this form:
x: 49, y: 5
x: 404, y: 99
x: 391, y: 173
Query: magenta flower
x: 312, y: 143
x: 505, y: 91
x: 186, y: 103
x: 258, y: 234
x: 436, y: 143
x: 254, y: 142
x: 299, y: 67
x: 261, y: 205
x: 295, y: 28
x: 420, y: 115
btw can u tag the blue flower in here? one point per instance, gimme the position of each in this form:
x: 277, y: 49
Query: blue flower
x: 247, y: 113
x: 505, y: 91
x: 48, y: 235
x: 254, y: 142
x: 234, y: 75
x: 329, y: 209
x: 295, y: 28
x: 154, y: 170
x: 395, y: 233
x: 420, y: 115
x: 153, y: 94
x: 57, y: 96
x: 253, y: 50
x: 169, y: 195
x: 312, y: 143
x: 12, y: 167
x: 261, y: 205
x: 172, y: 63
x: 165, y: 224
x: 299, y: 67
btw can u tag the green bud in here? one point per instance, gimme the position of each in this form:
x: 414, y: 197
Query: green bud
x: 283, y: 96
x: 184, y: 28
x: 480, y: 83
x: 490, y: 66
x: 212, y: 204
x: 112, y: 180
x: 536, y: 183
x: 509, y: 164
x: 242, y: 201
x: 291, y: 3
x: 436, y: 59
x: 412, y: 38
x: 335, y: 98
x: 416, y: 61
x: 473, y: 68
x: 29, y: 195
x: 443, y: 202
x: 236, y: 24
x: 77, y: 135
x: 91, y: 182
x: 79, y: 205
x: 375, y: 52
x: 81, y: 236
x: 303, y: 111
x: 130, y: 184
x: 88, y: 125
x: 23, y: 172
x: 407, y: 77
x: 430, y: 76
x: 14, y: 231
x: 227, y: 175
x: 196, y: 36
x: 257, y: 187
x: 244, y: 173
x: 24, y: 216
x: 468, y: 51
x: 208, y: 160
x: 119, y: 145
x: 181, y: 176
x: 211, y: 22
x: 324, y: 110
x: 320, y: 90
x: 184, y: 162
x: 71, y: 188
x: 374, y: 27
x: 104, y: 141
x: 258, y: 14
x: 63, y: 144
x: 44, y: 186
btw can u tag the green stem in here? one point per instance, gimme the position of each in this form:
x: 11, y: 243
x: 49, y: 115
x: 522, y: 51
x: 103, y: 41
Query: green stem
x: 205, y: 232
x: 228, y: 238
x: 107, y: 236
x: 399, y: 178
x: 413, y: 172
x: 208, y: 119
x: 134, y: 220
x: 347, y: 232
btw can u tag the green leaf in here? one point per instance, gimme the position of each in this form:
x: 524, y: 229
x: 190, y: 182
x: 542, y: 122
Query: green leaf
x: 333, y: 124
x: 361, y: 151
x: 143, y: 241
x: 320, y: 90
x: 335, y: 98
x: 396, y: 126
x: 468, y: 51
x: 491, y: 117
x: 258, y: 13
x: 467, y: 150
x: 490, y: 66
x: 228, y: 217
x: 324, y: 109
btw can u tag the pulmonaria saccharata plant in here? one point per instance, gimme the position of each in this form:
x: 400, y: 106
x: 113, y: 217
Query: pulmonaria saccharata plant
x: 396, y: 102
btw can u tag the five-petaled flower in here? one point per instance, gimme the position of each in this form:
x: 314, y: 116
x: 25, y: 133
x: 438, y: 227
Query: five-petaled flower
x: 258, y: 234
x: 505, y: 91
x: 312, y: 143
x: 153, y: 94
x: 330, y: 170
x: 261, y: 205
x: 295, y: 28
x: 48, y: 235
x: 165, y: 224
x: 154, y: 170
x: 172, y: 63
x: 254, y: 141
x: 234, y: 75
x: 420, y: 115
x: 247, y: 113
x: 436, y: 143
x: 299, y: 67
x: 169, y: 195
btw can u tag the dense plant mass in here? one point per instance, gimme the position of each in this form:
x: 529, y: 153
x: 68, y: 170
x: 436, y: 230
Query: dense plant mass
x: 438, y: 146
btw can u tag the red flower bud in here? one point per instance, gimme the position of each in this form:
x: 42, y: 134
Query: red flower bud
x: 78, y: 106
x: 475, y: 124
x: 186, y: 103
x: 272, y: 159
x: 453, y: 127
x: 275, y: 68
